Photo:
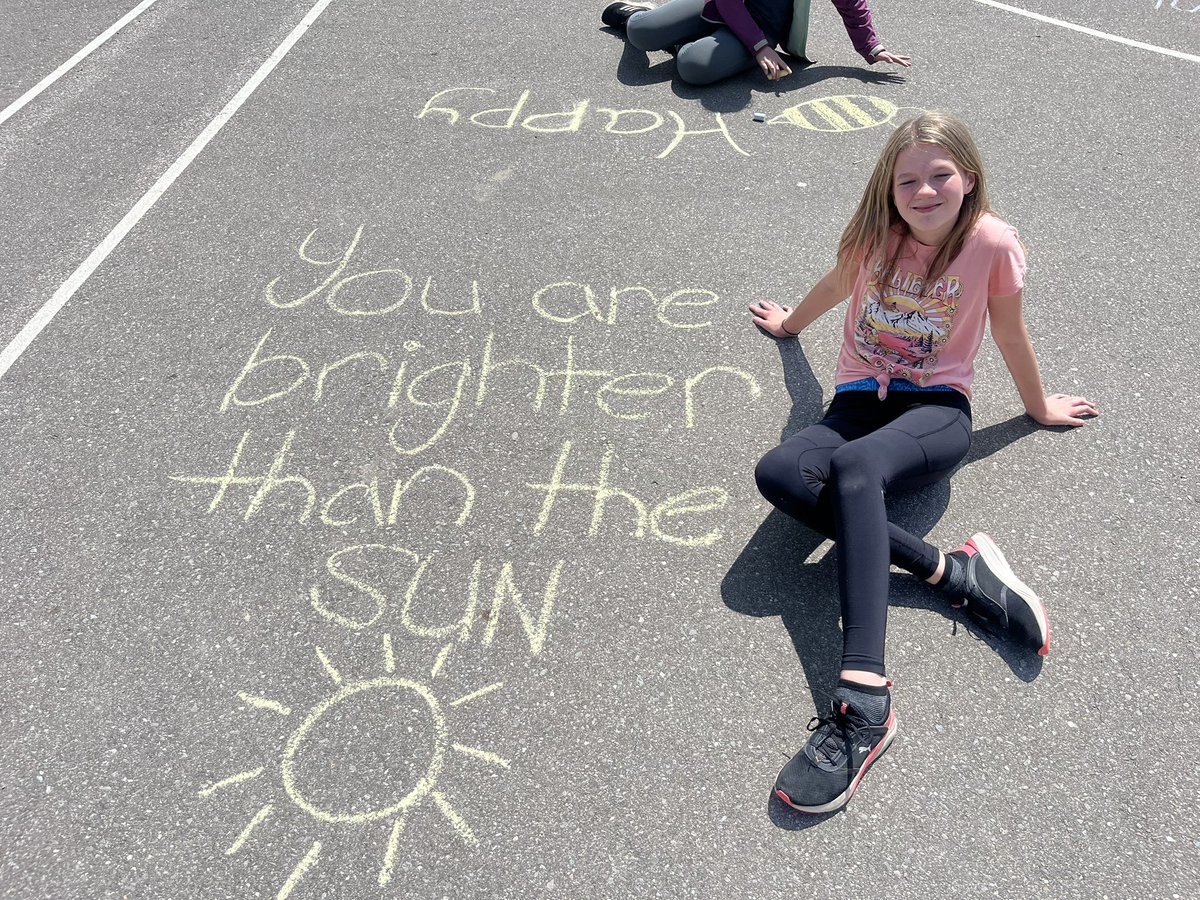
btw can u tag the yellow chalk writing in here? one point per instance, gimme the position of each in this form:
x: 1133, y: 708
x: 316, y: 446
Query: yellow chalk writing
x: 636, y: 384
x: 386, y: 290
x: 334, y: 675
x: 683, y: 131
x: 465, y: 622
x: 601, y: 492
x: 326, y: 370
x: 450, y: 112
x: 481, y: 754
x: 571, y: 121
x: 507, y: 594
x: 508, y: 114
x: 655, y: 120
x: 346, y: 505
x: 689, y: 391
x: 407, y: 577
x: 339, y: 265
x: 459, y: 372
x: 389, y: 856
x: 557, y: 123
x: 440, y: 662
x: 430, y: 397
x: 389, y: 296
x: 477, y: 693
x: 360, y: 586
x: 264, y: 703
x: 461, y: 828
x: 577, y: 300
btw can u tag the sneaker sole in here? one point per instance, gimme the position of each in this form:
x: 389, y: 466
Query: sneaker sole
x: 999, y: 565
x: 843, y: 798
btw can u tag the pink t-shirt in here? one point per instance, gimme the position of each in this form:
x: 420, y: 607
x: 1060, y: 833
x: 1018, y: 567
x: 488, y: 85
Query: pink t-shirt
x: 932, y: 339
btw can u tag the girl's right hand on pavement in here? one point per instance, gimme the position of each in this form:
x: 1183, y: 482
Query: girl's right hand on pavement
x: 896, y: 58
x: 771, y: 64
x: 769, y: 317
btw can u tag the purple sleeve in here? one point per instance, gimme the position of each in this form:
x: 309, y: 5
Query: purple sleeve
x: 734, y: 14
x: 856, y: 16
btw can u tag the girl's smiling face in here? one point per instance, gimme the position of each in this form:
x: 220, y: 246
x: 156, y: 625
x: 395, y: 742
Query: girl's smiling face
x: 928, y: 188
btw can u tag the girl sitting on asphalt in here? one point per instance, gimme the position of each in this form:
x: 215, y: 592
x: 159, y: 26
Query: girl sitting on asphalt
x: 719, y: 38
x: 926, y: 265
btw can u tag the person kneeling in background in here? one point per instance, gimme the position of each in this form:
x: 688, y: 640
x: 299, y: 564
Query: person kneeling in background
x: 719, y: 38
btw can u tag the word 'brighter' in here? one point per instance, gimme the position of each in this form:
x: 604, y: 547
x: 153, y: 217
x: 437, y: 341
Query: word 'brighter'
x: 433, y: 395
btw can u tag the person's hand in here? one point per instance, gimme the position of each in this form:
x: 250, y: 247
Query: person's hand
x: 772, y: 65
x: 885, y: 56
x: 1063, y: 409
x: 769, y: 317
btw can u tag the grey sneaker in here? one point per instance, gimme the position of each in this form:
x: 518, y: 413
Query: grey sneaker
x: 824, y: 775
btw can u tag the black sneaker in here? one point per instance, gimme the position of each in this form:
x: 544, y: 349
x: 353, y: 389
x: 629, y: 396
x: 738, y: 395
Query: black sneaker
x: 998, y: 598
x: 825, y: 774
x: 615, y: 15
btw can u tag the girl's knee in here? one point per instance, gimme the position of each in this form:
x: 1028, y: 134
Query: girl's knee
x: 694, y: 65
x: 853, y: 467
x: 640, y: 35
x: 769, y: 475
x: 645, y: 31
x: 782, y: 483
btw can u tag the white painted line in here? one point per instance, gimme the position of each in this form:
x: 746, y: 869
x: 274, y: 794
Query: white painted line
x: 1093, y: 32
x: 67, y: 289
x: 13, y: 108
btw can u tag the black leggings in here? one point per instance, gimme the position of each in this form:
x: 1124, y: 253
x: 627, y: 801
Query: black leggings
x: 832, y: 477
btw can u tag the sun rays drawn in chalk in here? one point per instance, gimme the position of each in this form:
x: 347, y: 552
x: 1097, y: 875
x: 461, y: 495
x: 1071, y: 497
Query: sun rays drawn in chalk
x: 395, y: 690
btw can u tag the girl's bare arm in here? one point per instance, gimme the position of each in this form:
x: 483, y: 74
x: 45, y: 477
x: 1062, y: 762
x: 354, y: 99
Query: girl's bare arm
x: 783, y: 321
x: 1011, y: 336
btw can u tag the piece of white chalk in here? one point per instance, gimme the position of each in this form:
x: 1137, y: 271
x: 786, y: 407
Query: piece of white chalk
x: 760, y: 117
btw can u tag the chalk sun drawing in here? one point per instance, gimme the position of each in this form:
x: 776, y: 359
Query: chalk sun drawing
x: 404, y: 693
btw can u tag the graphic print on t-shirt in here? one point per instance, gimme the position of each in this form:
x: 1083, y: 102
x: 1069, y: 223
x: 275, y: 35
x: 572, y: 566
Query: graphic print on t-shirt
x: 900, y: 330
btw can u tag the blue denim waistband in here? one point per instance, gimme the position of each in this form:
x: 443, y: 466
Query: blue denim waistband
x: 897, y: 384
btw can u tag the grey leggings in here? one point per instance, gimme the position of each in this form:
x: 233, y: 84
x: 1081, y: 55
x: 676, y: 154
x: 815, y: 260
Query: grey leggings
x: 708, y: 51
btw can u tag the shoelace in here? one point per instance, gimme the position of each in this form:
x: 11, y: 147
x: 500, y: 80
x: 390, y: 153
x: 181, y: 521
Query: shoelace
x: 841, y: 734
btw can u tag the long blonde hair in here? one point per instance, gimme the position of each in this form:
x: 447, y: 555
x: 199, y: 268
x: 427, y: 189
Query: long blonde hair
x: 877, y: 221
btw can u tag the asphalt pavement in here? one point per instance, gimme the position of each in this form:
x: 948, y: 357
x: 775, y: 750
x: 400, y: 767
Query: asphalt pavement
x: 376, y: 510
